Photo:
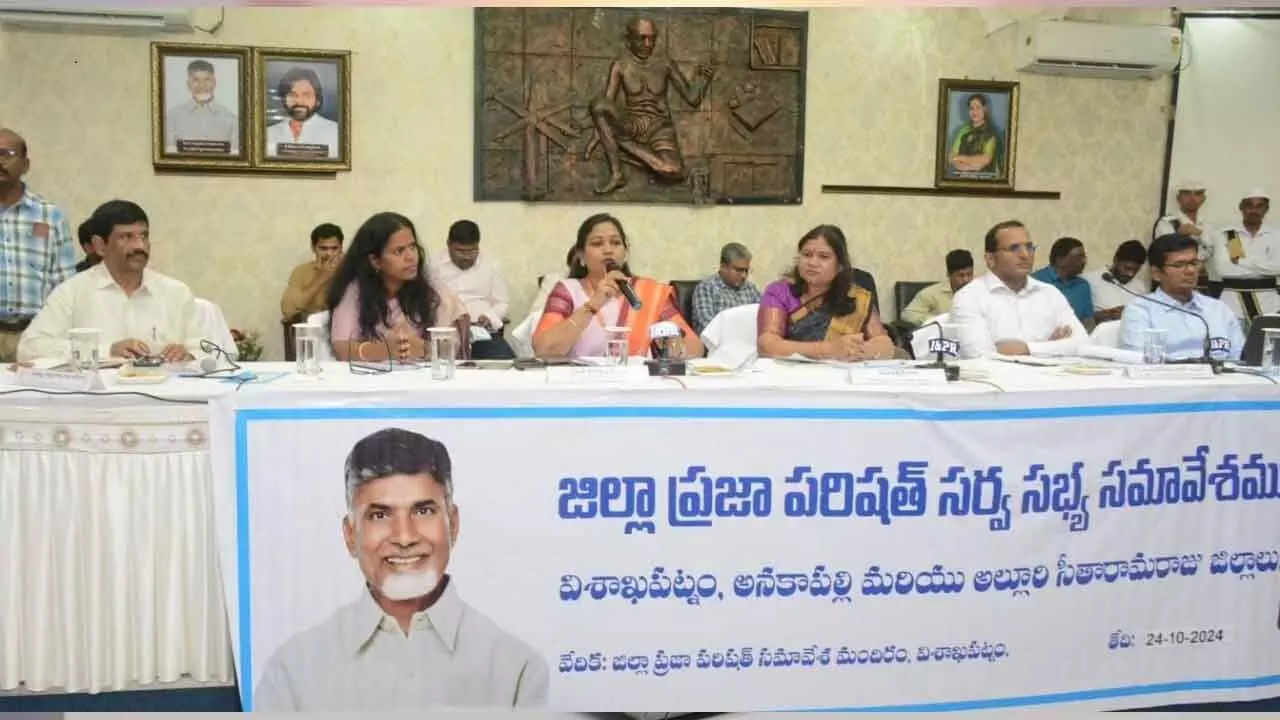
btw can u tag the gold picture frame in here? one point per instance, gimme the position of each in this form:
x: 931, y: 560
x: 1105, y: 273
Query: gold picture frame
x: 318, y: 81
x: 200, y: 106
x: 981, y: 157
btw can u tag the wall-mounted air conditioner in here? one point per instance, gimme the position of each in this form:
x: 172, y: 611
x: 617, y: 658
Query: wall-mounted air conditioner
x: 92, y: 18
x: 1098, y: 50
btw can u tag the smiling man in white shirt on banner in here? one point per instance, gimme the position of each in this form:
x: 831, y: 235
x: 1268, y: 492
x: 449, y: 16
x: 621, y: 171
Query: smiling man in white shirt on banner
x: 408, y: 641
x: 139, y: 311
x: 1008, y: 312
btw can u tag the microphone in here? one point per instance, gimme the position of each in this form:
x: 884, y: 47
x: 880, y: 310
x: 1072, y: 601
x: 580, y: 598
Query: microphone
x: 1210, y: 343
x: 941, y: 347
x: 209, y: 363
x: 625, y: 286
x: 662, y: 337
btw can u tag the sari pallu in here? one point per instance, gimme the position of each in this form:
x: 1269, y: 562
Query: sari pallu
x: 657, y: 304
x: 812, y: 323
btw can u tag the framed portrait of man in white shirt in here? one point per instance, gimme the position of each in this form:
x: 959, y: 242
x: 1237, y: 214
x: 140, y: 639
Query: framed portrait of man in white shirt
x: 199, y: 106
x: 304, y: 103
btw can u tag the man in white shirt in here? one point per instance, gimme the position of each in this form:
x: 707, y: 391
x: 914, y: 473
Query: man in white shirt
x: 1008, y: 312
x: 140, y: 312
x: 1126, y: 267
x: 476, y: 279
x: 408, y: 642
x: 306, y: 134
x: 1249, y: 260
x: 1187, y: 221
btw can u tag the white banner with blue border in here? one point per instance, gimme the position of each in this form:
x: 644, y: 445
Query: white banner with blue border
x: 624, y: 551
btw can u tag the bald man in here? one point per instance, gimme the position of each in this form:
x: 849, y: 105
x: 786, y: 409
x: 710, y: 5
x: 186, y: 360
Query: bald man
x: 37, y: 250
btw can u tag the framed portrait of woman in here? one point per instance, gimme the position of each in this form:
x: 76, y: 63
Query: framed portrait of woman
x: 977, y: 139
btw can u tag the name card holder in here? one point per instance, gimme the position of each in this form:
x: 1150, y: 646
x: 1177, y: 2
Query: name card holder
x: 597, y: 374
x: 1168, y: 372
x: 897, y: 376
x: 59, y: 380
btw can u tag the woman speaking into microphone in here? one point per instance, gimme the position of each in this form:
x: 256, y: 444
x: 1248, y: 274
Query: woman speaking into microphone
x: 594, y: 297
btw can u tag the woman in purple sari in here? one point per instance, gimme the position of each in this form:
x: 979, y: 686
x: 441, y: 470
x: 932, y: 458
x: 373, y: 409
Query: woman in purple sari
x: 818, y: 311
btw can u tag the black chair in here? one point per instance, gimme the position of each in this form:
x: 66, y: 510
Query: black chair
x: 684, y: 297
x: 904, y: 292
x: 1252, y: 352
x: 290, y: 349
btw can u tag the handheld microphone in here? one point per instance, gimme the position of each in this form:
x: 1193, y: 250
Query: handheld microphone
x: 1209, y: 344
x: 625, y: 286
x: 941, y: 347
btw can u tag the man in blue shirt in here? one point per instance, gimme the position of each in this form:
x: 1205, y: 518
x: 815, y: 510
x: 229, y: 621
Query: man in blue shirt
x: 1066, y: 261
x: 1175, y: 265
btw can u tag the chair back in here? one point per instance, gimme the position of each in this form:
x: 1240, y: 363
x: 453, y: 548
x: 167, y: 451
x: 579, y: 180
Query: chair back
x: 1106, y: 334
x: 904, y: 292
x: 684, y: 296
x: 737, y: 324
x: 290, y: 337
x: 1253, y: 350
x: 214, y: 328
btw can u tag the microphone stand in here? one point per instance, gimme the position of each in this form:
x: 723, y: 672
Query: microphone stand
x: 1206, y: 357
x: 951, y: 372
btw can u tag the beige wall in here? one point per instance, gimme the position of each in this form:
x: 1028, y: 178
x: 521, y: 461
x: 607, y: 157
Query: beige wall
x: 83, y: 104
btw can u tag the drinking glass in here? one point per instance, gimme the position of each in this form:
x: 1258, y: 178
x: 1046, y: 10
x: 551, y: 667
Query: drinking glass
x: 444, y: 352
x: 305, y: 339
x: 617, y: 348
x: 1153, y: 345
x: 84, y: 348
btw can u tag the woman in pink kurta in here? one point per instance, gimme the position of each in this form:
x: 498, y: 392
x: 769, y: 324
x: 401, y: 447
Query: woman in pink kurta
x: 383, y: 300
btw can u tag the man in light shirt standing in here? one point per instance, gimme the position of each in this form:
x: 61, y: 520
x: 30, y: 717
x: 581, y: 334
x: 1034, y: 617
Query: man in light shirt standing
x: 476, y: 279
x: 1008, y: 312
x: 409, y: 641
x: 1249, y: 260
x: 140, y: 312
x: 1126, y: 268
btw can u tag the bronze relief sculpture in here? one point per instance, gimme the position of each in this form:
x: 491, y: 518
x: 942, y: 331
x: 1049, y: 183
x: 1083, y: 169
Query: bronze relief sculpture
x: 657, y: 106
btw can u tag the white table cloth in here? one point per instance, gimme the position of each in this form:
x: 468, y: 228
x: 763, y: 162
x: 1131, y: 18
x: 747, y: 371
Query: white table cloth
x: 109, y: 573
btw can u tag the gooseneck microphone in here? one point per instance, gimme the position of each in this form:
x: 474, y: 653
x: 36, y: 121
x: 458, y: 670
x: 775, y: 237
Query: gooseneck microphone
x: 624, y: 285
x: 941, y: 347
x: 1206, y: 357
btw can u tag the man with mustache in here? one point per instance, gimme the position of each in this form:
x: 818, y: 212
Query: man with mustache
x: 199, y: 124
x: 409, y: 641
x: 36, y: 249
x: 306, y: 134
x: 139, y: 312
x: 1248, y: 260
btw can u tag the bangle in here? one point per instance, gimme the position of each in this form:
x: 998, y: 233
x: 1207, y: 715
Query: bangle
x: 360, y: 350
x: 591, y: 310
x: 573, y: 322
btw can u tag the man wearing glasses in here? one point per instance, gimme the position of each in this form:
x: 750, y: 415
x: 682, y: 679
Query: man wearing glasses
x: 1175, y: 265
x: 37, y: 251
x: 726, y: 289
x: 1008, y: 312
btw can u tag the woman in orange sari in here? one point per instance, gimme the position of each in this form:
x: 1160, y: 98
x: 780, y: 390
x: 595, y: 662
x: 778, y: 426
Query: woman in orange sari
x: 818, y: 311
x: 582, y: 306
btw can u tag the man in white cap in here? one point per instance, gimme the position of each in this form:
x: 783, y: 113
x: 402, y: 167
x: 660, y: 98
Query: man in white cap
x: 1249, y: 259
x: 1190, y: 195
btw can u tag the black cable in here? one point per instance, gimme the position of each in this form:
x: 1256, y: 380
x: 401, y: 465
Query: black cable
x: 91, y: 393
x: 1255, y: 373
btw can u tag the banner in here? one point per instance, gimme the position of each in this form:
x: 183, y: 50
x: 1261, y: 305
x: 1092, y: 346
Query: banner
x: 613, y: 557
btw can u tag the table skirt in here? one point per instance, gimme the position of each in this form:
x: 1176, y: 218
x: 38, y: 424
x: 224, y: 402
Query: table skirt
x: 108, y: 568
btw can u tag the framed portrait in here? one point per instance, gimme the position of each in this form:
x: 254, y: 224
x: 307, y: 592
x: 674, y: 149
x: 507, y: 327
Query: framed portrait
x: 977, y: 139
x: 199, y: 106
x: 302, y: 100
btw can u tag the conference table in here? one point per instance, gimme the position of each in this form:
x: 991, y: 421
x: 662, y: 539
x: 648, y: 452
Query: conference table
x: 111, y: 575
